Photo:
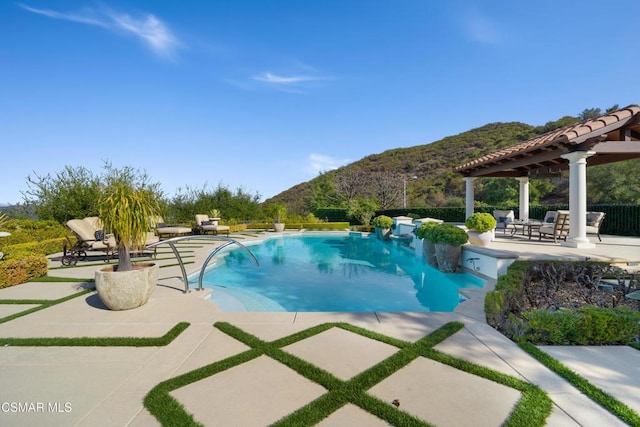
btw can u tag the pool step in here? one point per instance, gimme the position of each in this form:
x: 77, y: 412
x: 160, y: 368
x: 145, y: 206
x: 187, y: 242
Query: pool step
x: 236, y: 299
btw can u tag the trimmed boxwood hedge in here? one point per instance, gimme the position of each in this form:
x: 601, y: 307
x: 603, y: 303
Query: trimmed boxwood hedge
x: 43, y: 247
x: 16, y: 271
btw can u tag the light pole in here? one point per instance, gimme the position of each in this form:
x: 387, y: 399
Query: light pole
x: 404, y: 191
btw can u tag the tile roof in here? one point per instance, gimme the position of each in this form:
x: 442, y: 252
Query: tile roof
x: 559, y: 141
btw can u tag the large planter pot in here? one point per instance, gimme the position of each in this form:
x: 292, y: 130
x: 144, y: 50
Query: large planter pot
x: 448, y: 257
x: 278, y: 226
x: 481, y: 238
x: 124, y: 290
x: 429, y: 249
x: 383, y: 233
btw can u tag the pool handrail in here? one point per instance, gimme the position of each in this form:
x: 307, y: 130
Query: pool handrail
x: 171, y: 242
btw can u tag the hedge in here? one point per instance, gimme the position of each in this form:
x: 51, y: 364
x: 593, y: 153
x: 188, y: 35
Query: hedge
x: 16, y: 271
x: 44, y: 247
x: 315, y: 226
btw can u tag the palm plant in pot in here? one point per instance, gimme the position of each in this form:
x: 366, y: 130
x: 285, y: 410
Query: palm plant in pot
x: 126, y: 206
x: 481, y: 228
x: 280, y: 211
x: 382, y: 224
x: 448, y: 239
x: 425, y: 232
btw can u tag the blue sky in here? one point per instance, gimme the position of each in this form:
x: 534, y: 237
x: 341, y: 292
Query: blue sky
x: 263, y: 95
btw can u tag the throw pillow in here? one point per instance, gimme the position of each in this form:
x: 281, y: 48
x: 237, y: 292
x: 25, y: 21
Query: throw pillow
x: 99, y: 235
x: 205, y: 223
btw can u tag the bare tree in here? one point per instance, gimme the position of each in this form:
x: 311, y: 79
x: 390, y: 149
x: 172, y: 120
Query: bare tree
x: 387, y: 187
x: 350, y: 183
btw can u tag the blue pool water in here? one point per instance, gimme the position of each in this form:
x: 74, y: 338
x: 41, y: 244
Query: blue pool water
x: 325, y: 273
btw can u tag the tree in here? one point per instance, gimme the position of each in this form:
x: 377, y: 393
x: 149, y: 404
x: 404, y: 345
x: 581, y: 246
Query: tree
x: 590, y: 113
x: 71, y: 193
x: 350, y: 182
x: 614, y: 183
x: 323, y: 192
x: 235, y: 206
x: 387, y: 187
x: 363, y: 209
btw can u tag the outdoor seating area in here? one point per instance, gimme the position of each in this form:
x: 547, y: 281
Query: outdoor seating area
x: 119, y: 398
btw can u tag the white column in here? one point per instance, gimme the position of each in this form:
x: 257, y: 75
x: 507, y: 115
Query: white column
x: 578, y: 199
x: 524, y: 198
x: 470, y: 196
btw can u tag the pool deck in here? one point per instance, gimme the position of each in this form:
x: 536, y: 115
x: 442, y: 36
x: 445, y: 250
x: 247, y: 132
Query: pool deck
x: 105, y: 386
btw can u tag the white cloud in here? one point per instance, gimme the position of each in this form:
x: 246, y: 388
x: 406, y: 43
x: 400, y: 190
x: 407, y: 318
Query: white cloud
x: 149, y: 29
x: 322, y: 163
x: 292, y: 83
x: 272, y: 78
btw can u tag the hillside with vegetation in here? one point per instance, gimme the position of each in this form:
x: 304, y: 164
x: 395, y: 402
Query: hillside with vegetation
x: 427, y: 172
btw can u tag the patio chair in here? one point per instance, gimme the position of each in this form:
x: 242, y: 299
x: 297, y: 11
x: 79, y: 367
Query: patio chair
x: 558, y: 229
x: 205, y: 225
x: 87, y: 239
x: 503, y: 219
x: 163, y: 230
x: 594, y: 221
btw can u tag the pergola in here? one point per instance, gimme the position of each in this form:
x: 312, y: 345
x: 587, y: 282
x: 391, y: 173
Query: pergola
x: 609, y: 138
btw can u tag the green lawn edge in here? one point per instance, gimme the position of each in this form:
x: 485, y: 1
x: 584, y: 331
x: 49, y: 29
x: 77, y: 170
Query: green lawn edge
x: 161, y: 341
x: 532, y: 409
x: 611, y: 404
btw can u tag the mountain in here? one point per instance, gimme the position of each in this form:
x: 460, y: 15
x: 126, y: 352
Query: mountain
x: 426, y: 171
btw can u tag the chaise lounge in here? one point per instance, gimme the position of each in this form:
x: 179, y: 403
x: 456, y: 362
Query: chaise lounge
x: 163, y: 230
x: 88, y: 238
x: 205, y: 225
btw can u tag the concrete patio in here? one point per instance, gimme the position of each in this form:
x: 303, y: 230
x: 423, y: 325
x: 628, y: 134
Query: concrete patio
x: 105, y: 386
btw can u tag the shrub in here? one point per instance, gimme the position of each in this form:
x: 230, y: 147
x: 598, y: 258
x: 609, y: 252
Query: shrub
x: 44, y: 247
x: 480, y: 222
x: 16, y: 271
x: 425, y: 230
x: 382, y: 221
x: 585, y: 326
x: 28, y: 230
x: 448, y: 233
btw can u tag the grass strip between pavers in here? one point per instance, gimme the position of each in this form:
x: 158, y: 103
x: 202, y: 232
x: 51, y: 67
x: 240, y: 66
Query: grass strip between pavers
x: 531, y: 410
x: 610, y: 403
x: 57, y: 279
x: 45, y: 304
x: 97, y: 341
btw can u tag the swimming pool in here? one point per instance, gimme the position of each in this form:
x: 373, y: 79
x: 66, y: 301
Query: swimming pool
x: 332, y: 273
